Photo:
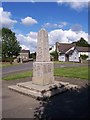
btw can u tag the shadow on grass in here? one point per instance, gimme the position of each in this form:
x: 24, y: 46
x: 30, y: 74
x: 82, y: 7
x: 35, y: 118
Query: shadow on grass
x: 72, y: 104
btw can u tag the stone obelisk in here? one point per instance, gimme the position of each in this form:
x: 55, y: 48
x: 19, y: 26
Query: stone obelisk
x: 43, y: 67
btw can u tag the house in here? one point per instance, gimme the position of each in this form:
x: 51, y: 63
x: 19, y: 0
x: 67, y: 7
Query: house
x: 71, y: 52
x: 24, y: 55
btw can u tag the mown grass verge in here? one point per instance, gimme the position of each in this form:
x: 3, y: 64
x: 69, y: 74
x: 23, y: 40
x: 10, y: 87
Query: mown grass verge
x: 73, y: 72
x: 18, y: 76
x: 2, y: 65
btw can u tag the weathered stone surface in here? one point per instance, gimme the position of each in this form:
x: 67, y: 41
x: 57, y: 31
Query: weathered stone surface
x: 42, y: 68
x: 27, y: 88
x: 43, y: 73
x: 42, y: 53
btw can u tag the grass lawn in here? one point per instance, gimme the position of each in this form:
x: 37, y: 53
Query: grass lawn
x: 0, y: 65
x: 7, y: 64
x: 18, y: 76
x: 59, y: 62
x: 73, y: 72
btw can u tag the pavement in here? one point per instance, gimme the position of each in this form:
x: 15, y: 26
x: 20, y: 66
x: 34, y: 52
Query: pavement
x: 0, y: 99
x: 71, y: 104
x: 15, y: 105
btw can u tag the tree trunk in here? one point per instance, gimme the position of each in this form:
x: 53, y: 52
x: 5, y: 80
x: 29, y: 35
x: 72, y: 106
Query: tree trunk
x: 11, y: 60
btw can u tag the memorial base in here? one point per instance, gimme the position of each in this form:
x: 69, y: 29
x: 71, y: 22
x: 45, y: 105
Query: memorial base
x: 38, y: 91
x: 43, y: 73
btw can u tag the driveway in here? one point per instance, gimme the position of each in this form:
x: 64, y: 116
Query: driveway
x: 29, y: 66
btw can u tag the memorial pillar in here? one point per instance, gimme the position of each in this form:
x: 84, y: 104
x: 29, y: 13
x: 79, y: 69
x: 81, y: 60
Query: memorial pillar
x: 43, y: 67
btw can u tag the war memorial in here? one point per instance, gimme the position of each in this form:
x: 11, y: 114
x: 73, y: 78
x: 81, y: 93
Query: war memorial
x: 43, y: 83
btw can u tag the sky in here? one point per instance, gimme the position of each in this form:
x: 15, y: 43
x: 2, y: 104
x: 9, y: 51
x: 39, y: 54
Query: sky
x: 65, y: 22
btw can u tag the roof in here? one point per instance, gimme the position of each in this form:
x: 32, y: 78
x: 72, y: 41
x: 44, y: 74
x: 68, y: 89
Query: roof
x: 64, y: 47
x: 79, y: 49
x: 24, y: 51
x: 83, y: 49
x: 70, y: 52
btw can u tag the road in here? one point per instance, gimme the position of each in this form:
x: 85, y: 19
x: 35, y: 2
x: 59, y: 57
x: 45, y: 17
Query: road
x: 17, y: 68
x: 29, y: 66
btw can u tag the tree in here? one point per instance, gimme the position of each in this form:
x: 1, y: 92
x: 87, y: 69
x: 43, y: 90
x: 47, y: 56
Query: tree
x: 33, y: 55
x: 55, y: 55
x: 10, y: 45
x: 82, y: 42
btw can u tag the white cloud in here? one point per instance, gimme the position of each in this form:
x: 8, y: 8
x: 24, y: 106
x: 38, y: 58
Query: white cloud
x: 55, y: 25
x: 32, y: 35
x: 66, y: 36
x: 5, y: 19
x: 28, y: 21
x: 47, y: 25
x: 24, y: 47
x: 73, y: 0
x: 77, y: 4
x: 29, y: 41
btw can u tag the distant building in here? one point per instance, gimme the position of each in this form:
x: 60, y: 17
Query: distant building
x: 24, y: 54
x: 71, y: 52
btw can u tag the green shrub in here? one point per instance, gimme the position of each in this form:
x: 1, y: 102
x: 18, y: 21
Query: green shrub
x: 83, y: 57
x: 55, y: 55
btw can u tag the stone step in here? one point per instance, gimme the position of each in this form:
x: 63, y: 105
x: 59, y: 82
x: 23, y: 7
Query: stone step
x: 35, y: 92
x: 25, y: 91
x: 39, y: 88
x: 30, y: 86
x: 72, y: 86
